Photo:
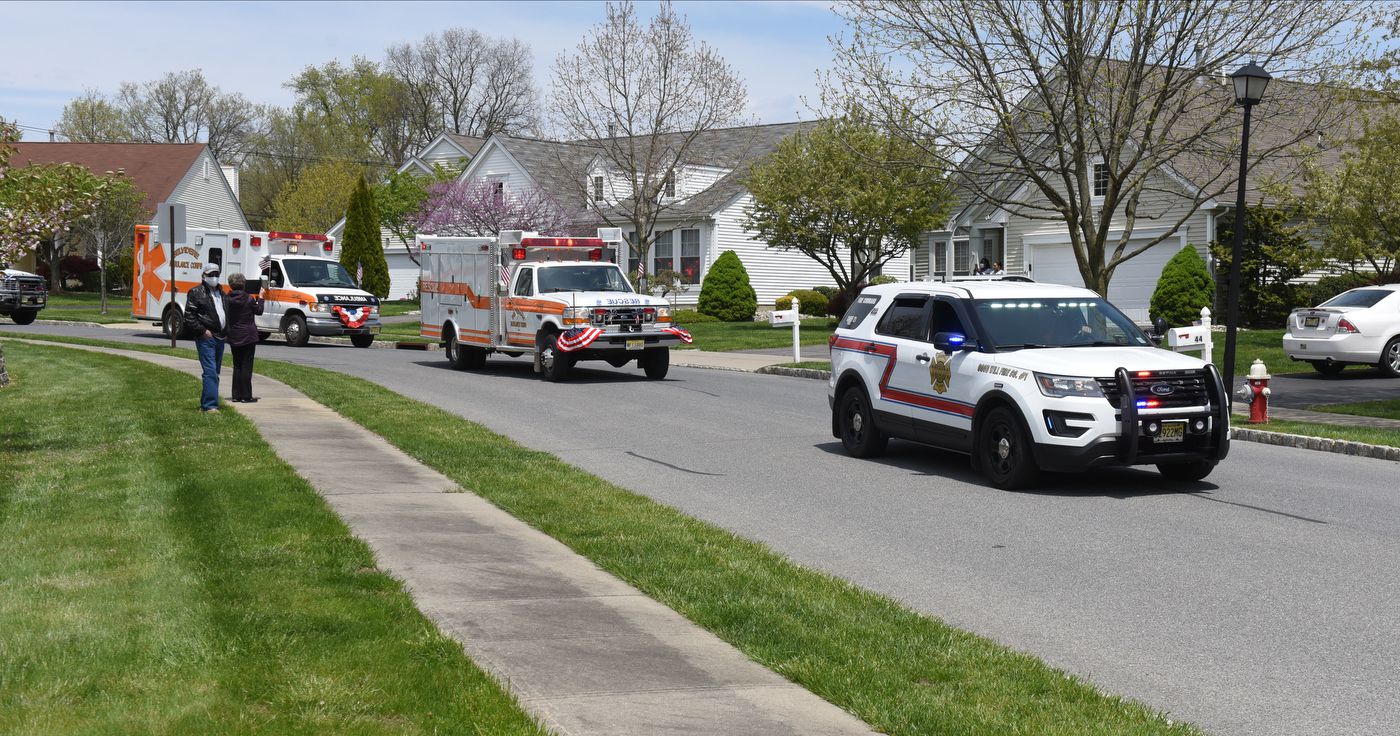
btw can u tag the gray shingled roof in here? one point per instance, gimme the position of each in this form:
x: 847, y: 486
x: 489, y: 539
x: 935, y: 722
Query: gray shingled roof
x: 469, y: 143
x: 560, y: 168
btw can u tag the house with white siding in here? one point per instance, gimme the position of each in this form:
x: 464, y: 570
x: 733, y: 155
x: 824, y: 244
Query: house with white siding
x: 706, y: 203
x: 183, y: 173
x: 1178, y: 205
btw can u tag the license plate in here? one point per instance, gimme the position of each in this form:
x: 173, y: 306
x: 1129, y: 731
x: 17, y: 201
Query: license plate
x: 1312, y: 321
x: 1172, y: 432
x: 635, y: 344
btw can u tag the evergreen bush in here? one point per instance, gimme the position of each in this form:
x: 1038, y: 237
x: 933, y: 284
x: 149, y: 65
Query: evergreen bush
x: 360, y: 251
x: 726, y: 294
x: 1183, y: 288
x: 811, y: 303
x: 690, y: 317
x: 1330, y: 286
x: 883, y: 278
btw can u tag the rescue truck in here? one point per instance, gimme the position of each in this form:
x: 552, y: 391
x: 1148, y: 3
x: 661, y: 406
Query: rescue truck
x: 307, y: 291
x: 560, y: 300
x: 22, y: 295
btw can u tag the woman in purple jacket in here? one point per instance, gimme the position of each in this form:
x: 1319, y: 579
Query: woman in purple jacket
x: 242, y: 336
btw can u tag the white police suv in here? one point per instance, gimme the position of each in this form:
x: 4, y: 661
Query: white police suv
x: 1022, y: 377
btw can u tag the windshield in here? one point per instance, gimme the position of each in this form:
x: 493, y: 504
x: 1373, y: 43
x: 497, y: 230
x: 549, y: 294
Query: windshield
x: 317, y: 272
x: 1358, y: 298
x: 602, y: 277
x: 1010, y: 324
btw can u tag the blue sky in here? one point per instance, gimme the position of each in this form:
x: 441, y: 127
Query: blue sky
x: 54, y: 50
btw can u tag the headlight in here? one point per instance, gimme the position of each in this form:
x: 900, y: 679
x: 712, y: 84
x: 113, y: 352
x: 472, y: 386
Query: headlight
x: 663, y: 313
x: 582, y: 313
x: 1061, y: 386
x: 319, y: 307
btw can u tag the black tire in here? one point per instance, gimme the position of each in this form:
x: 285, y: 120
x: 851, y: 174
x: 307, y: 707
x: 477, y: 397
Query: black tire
x: 554, y: 365
x: 172, y: 323
x: 1390, y: 358
x: 1326, y: 368
x: 463, y: 357
x: 656, y: 362
x: 1186, y: 472
x: 1004, y: 450
x: 24, y: 317
x: 362, y: 341
x: 294, y: 327
x: 262, y: 336
x: 855, y: 421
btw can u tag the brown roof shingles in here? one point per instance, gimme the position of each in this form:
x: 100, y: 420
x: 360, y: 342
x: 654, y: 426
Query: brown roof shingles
x: 156, y: 168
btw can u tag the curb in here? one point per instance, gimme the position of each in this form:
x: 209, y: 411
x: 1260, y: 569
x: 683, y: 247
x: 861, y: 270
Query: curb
x: 1323, y: 444
x: 62, y: 322
x: 777, y: 370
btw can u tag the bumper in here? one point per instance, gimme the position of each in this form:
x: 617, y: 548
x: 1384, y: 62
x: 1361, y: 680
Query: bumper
x: 332, y: 327
x: 12, y: 301
x: 615, y: 344
x: 1347, y: 348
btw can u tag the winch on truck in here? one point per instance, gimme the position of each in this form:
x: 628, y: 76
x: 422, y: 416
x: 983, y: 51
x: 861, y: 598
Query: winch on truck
x: 307, y: 292
x: 560, y: 300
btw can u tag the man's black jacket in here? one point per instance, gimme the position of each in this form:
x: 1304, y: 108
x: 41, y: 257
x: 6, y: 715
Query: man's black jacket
x: 199, y: 310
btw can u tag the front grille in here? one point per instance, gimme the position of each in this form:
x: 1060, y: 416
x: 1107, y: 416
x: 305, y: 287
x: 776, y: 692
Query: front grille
x: 622, y: 316
x: 1188, y: 388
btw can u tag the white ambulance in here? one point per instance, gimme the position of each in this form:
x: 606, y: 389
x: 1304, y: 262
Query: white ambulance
x: 560, y: 300
x: 307, y: 291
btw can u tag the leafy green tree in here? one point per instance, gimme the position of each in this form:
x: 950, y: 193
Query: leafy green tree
x: 1274, y: 252
x: 399, y: 199
x: 1357, y: 204
x: 316, y: 199
x: 847, y: 196
x: 726, y: 293
x: 360, y: 251
x: 1183, y: 288
x: 93, y: 118
x: 355, y: 112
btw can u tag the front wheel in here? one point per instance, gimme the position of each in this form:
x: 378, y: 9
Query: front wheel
x: 24, y: 317
x: 1004, y: 450
x: 173, y: 323
x: 656, y: 362
x: 1390, y: 358
x: 856, y: 422
x: 362, y: 341
x: 554, y: 365
x: 1186, y: 472
x: 1327, y: 368
x: 294, y: 327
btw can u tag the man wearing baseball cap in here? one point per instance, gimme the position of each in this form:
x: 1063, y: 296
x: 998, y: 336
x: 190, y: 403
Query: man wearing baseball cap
x: 206, y: 314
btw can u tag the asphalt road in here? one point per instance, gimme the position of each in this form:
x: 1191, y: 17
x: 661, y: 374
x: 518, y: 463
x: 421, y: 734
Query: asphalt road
x: 1264, y: 600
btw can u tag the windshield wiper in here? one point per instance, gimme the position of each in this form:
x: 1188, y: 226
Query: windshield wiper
x: 559, y: 288
x: 1097, y: 344
x: 1026, y: 345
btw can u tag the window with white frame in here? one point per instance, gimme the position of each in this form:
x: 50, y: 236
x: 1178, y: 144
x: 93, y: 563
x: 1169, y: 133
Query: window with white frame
x: 597, y: 189
x: 668, y: 185
x: 498, y: 193
x: 940, y: 256
x: 962, y: 257
x: 673, y: 250
x: 1100, y: 179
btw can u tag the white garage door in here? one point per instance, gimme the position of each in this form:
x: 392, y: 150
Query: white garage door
x: 403, y: 274
x: 1133, y: 281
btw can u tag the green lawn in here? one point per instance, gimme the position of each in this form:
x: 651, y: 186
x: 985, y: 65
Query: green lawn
x: 1370, y: 436
x: 404, y: 332
x: 1386, y: 409
x: 396, y: 308
x: 725, y: 336
x: 118, y: 308
x: 164, y: 572
x: 901, y: 672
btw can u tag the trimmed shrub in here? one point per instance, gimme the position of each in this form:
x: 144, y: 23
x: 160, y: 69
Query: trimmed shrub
x: 1184, y: 287
x: 826, y: 291
x: 1330, y: 286
x: 726, y: 294
x: 883, y: 278
x: 690, y: 317
x: 812, y: 303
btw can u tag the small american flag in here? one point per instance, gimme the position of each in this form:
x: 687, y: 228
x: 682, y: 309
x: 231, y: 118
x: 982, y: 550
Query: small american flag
x: 641, y: 268
x: 680, y: 332
x: 505, y: 273
x: 577, y: 339
x: 265, y: 263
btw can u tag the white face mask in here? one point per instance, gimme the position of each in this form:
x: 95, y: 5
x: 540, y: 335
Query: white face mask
x: 211, y: 281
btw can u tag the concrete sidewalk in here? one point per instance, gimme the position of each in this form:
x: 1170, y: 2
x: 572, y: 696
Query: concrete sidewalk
x: 583, y: 651
x: 729, y: 361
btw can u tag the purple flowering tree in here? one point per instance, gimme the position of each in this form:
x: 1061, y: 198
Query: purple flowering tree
x: 486, y: 208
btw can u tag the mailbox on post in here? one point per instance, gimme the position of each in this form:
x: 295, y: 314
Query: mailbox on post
x: 789, y: 318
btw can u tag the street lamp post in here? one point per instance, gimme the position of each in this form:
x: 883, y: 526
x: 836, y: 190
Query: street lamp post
x: 1249, y: 81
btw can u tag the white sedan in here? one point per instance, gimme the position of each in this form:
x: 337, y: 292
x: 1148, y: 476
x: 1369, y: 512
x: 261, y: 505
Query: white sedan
x: 1357, y: 327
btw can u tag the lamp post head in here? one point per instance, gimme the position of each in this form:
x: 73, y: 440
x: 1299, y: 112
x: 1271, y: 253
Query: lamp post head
x: 1250, y: 81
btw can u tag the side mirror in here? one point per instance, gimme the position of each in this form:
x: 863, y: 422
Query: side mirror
x: 1159, y: 330
x: 951, y: 342
x: 502, y: 287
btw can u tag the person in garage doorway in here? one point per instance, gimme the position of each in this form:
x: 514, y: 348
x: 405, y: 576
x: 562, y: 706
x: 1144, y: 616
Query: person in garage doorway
x: 206, y: 311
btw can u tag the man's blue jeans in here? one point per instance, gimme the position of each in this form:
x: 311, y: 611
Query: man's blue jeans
x: 211, y: 358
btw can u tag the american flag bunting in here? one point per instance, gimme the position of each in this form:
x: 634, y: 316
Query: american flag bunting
x: 577, y: 339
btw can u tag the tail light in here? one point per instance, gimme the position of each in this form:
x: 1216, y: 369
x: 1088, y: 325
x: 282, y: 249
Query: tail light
x: 255, y: 241
x: 237, y: 243
x: 1344, y: 325
x: 596, y: 254
x: 327, y: 246
x: 517, y: 253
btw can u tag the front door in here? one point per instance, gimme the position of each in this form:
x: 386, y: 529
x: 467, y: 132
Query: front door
x: 273, y: 309
x: 930, y: 384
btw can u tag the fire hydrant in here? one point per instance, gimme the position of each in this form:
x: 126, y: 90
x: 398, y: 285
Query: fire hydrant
x: 1256, y: 392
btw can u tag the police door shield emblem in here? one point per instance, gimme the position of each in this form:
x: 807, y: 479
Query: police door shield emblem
x: 940, y: 371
